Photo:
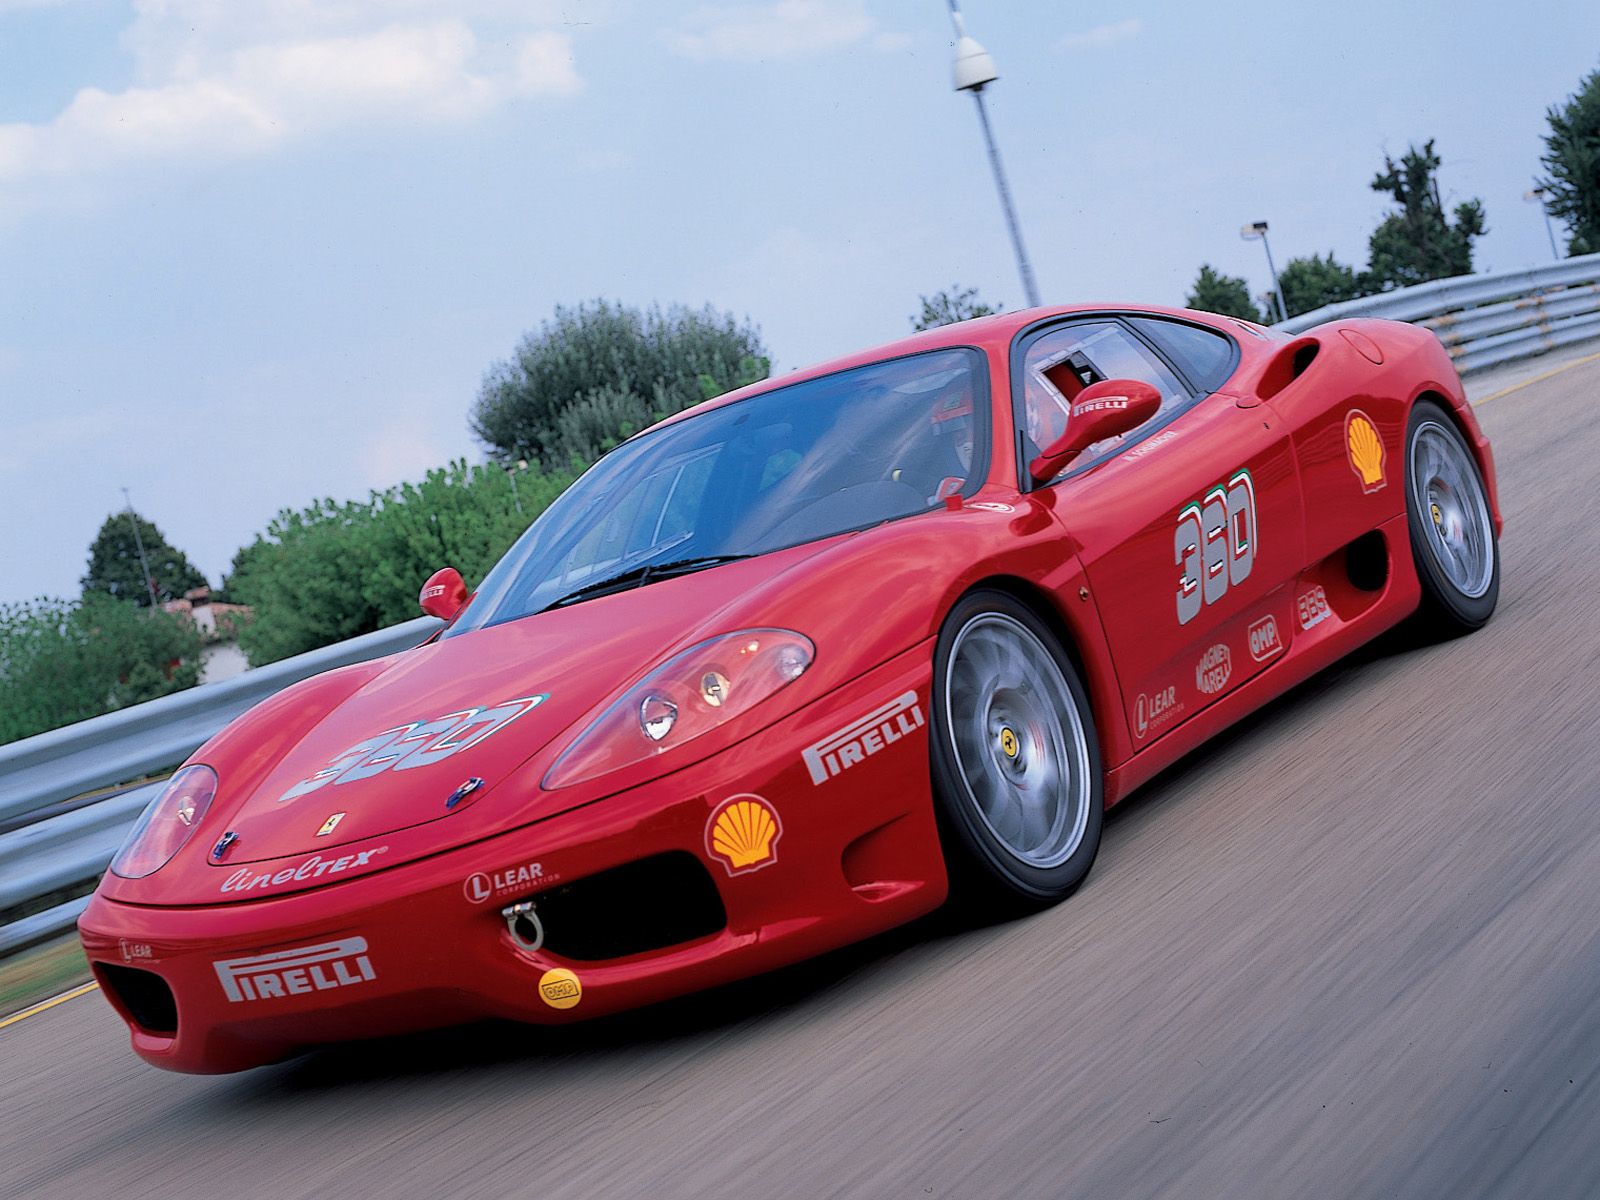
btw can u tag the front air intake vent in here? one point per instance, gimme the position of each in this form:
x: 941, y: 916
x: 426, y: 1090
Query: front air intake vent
x: 143, y: 995
x: 646, y: 905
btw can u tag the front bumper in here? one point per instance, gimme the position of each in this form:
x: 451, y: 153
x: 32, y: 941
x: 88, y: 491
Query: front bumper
x: 423, y: 944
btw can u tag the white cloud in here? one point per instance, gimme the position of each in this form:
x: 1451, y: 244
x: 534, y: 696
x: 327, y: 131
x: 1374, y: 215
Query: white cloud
x: 1102, y: 36
x: 546, y: 67
x: 219, y: 78
x: 784, y: 29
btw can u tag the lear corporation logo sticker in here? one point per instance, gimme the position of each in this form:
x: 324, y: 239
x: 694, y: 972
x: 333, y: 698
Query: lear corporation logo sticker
x: 1153, y: 711
x: 743, y: 834
x: 1365, y: 448
x: 1264, y: 639
x: 844, y: 748
x: 295, y: 972
x: 418, y: 744
x: 1313, y: 607
x: 560, y: 988
x: 480, y: 886
x: 1212, y: 672
x: 135, y: 951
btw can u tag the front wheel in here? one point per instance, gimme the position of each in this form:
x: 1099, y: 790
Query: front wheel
x: 1016, y: 763
x: 1452, y: 534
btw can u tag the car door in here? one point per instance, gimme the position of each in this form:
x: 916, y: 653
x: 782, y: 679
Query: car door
x: 1189, y: 527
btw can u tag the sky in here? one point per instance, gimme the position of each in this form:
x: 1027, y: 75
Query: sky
x: 258, y: 252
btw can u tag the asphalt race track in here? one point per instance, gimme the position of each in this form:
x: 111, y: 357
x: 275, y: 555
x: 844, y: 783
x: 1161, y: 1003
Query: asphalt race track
x: 1352, y: 949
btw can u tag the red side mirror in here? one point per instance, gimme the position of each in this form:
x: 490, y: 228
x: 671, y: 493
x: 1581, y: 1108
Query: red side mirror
x: 444, y: 593
x: 1100, y: 411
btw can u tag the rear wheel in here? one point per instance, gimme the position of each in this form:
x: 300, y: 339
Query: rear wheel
x: 1452, y: 534
x: 1016, y: 763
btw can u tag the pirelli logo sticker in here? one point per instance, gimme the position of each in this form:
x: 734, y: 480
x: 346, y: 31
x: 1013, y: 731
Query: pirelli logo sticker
x: 295, y: 972
x: 862, y: 738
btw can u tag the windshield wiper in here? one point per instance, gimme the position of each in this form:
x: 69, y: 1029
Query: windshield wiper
x: 639, y: 576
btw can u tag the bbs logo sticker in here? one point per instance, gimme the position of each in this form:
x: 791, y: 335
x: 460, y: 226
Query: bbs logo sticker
x: 1215, y: 544
x: 419, y: 744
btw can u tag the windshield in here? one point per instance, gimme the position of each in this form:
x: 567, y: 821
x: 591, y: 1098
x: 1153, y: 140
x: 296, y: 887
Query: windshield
x: 792, y: 465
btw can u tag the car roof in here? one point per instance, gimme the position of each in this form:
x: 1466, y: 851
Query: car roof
x: 992, y: 333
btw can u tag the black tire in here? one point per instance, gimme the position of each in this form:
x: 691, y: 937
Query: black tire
x: 1031, y: 754
x: 1453, y: 542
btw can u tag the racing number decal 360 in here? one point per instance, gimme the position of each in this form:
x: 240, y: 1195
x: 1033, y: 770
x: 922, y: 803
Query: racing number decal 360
x: 1215, y: 544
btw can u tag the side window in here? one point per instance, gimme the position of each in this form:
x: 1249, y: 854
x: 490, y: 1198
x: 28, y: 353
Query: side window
x: 1061, y: 362
x: 1206, y: 356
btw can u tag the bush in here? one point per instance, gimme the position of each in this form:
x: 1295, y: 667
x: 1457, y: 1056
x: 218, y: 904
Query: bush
x: 63, y: 661
x: 1310, y: 283
x: 597, y: 373
x: 1227, y: 295
x: 333, y: 571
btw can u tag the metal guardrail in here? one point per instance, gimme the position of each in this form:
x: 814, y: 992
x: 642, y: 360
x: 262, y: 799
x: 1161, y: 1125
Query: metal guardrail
x: 1489, y: 319
x: 1483, y: 320
x: 53, y: 851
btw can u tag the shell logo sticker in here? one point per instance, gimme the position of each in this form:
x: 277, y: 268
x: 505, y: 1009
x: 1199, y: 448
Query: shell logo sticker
x: 742, y: 833
x: 560, y: 988
x: 1365, y: 448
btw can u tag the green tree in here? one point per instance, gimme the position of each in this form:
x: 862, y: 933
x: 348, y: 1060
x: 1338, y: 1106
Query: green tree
x: 63, y: 661
x: 1572, y: 156
x: 114, y: 567
x: 1309, y: 283
x: 947, y: 307
x: 1419, y: 242
x: 613, y: 362
x: 1225, y: 294
x: 335, y: 570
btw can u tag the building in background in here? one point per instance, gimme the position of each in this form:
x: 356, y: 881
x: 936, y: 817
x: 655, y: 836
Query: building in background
x: 219, y: 626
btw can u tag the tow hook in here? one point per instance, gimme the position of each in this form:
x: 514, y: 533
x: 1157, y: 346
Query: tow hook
x: 522, y: 922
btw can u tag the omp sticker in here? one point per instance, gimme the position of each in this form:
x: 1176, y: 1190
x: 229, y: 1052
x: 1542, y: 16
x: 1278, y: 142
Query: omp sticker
x: 560, y: 988
x: 1263, y: 638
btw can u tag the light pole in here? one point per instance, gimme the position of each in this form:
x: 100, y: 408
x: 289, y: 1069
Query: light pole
x: 973, y: 69
x: 138, y: 542
x: 1538, y: 193
x: 511, y: 473
x: 1258, y: 229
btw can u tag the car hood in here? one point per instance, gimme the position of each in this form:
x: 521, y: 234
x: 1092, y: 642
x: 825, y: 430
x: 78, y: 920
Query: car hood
x: 357, y: 753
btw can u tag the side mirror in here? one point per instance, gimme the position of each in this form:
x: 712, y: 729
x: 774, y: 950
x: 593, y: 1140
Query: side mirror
x: 444, y: 593
x: 1100, y: 411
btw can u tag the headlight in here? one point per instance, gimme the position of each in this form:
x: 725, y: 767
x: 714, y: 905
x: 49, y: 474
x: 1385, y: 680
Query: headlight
x: 167, y: 823
x: 688, y: 695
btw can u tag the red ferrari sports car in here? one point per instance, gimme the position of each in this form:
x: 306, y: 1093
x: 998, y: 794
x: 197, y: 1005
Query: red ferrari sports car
x: 792, y: 666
